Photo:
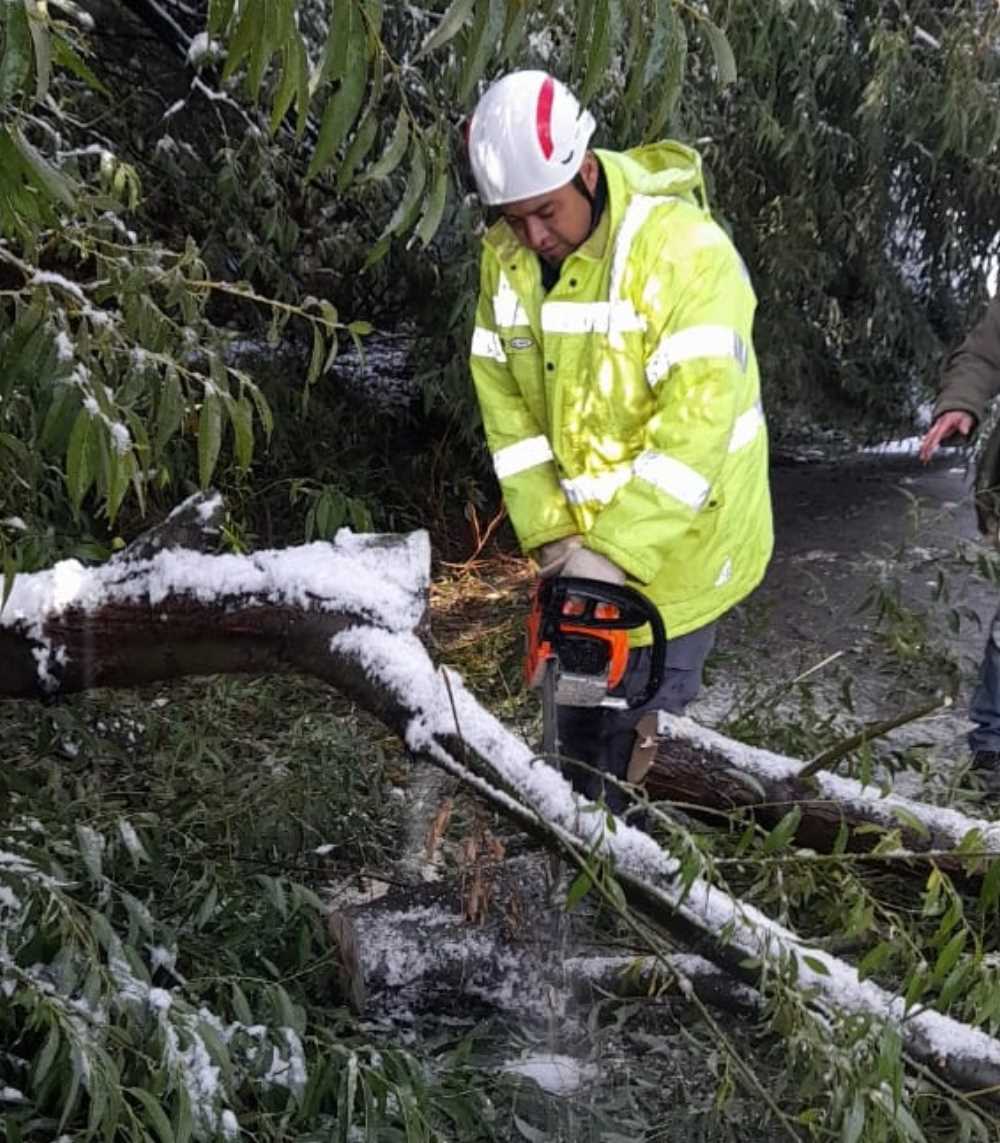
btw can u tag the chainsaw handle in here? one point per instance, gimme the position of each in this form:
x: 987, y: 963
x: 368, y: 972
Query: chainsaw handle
x: 635, y: 610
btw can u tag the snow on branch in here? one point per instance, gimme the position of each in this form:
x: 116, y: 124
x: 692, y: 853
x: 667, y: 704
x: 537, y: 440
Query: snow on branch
x: 707, y: 768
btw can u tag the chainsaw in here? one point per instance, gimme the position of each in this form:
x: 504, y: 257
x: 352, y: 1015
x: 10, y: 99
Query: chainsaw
x: 578, y: 647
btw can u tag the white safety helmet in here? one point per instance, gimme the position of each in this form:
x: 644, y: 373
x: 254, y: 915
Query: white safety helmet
x: 527, y: 136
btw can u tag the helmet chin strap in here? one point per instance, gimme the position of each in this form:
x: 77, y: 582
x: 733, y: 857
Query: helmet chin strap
x: 580, y: 185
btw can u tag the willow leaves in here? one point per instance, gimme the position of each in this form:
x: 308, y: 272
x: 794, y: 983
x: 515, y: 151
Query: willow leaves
x: 385, y: 104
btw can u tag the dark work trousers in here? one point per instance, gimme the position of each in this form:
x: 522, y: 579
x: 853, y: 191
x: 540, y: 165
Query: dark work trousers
x: 602, y: 737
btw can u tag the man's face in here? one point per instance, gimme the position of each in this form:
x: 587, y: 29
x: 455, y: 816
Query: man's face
x: 553, y: 225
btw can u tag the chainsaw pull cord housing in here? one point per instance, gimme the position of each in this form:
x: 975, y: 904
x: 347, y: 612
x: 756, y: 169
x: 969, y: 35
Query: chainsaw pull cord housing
x: 583, y: 623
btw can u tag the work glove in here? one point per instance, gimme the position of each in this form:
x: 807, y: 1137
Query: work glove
x: 551, y: 557
x: 588, y: 564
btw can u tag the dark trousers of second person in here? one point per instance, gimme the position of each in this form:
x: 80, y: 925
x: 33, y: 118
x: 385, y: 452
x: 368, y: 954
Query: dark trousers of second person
x: 602, y: 738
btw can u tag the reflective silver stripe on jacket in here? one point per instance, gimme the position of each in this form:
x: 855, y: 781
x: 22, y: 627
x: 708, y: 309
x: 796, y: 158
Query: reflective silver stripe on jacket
x: 507, y: 310
x: 518, y: 457
x: 747, y: 427
x: 486, y: 343
x: 581, y: 489
x: 635, y: 215
x: 591, y: 317
x: 694, y: 342
x: 673, y: 477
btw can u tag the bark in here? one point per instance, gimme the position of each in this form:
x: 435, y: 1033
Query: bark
x: 706, y: 771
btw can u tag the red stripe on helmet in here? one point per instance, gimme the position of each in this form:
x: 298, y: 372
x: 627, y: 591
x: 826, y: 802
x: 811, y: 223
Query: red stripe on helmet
x: 543, y: 116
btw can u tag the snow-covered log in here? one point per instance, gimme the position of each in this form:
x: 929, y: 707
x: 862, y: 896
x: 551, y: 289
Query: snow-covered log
x: 349, y: 613
x: 161, y: 610
x: 414, y: 948
x: 698, y: 767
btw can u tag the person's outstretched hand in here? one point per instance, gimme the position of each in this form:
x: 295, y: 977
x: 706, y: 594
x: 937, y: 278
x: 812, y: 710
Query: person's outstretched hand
x: 943, y: 427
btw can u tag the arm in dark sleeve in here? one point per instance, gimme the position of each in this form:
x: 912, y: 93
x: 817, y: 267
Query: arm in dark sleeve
x: 971, y: 376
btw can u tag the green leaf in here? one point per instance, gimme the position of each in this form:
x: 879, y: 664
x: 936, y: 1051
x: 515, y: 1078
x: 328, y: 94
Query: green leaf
x: 600, y: 48
x: 122, y: 471
x: 784, y: 831
x: 241, y: 418
x: 955, y: 985
x: 450, y: 26
x: 59, y: 418
x: 394, y: 152
x: 517, y: 24
x: 155, y: 1115
x: 361, y: 144
x: 342, y: 109
x: 91, y: 846
x: 532, y: 1134
x: 207, y: 907
x: 725, y: 62
x: 209, y: 437
x: 406, y: 209
x: 482, y: 43
x: 873, y: 960
x: 288, y: 86
x: 219, y: 14
x: 64, y: 56
x: 262, y: 48
x: 911, y: 821
x: 183, y: 1117
x: 240, y: 1005
x: 581, y: 886
x: 673, y: 73
x: 949, y: 955
x: 854, y: 1120
x: 817, y: 965
x: 337, y: 41
x: 316, y: 358
x: 989, y: 892
x: 55, y: 184
x: 38, y: 26
x: 79, y: 473
x: 431, y: 218
x: 302, y: 92
x: 15, y: 63
x: 9, y: 575
x: 47, y: 1056
x: 584, y: 20
x: 170, y: 409
x: 347, y: 1095
x: 637, y: 76
x: 243, y: 38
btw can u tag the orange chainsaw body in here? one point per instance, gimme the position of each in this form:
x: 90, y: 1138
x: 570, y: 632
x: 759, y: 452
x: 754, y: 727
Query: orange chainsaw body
x: 541, y: 651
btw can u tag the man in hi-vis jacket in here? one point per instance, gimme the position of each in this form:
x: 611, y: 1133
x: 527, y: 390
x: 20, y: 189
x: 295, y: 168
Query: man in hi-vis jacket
x: 614, y: 365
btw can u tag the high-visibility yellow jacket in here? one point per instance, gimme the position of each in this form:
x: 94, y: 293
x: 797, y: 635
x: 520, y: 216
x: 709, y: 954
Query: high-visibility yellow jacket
x: 624, y: 404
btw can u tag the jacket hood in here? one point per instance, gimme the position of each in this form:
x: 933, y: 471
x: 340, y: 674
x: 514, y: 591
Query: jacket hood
x: 664, y: 168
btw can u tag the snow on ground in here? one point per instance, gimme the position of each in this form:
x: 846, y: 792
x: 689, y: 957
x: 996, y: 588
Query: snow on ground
x: 556, y: 1074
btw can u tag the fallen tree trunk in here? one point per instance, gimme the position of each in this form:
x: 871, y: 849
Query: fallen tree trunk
x: 348, y: 613
x: 414, y: 948
x: 698, y: 767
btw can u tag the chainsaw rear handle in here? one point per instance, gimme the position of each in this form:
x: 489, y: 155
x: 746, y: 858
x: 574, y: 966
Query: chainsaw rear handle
x: 634, y: 610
